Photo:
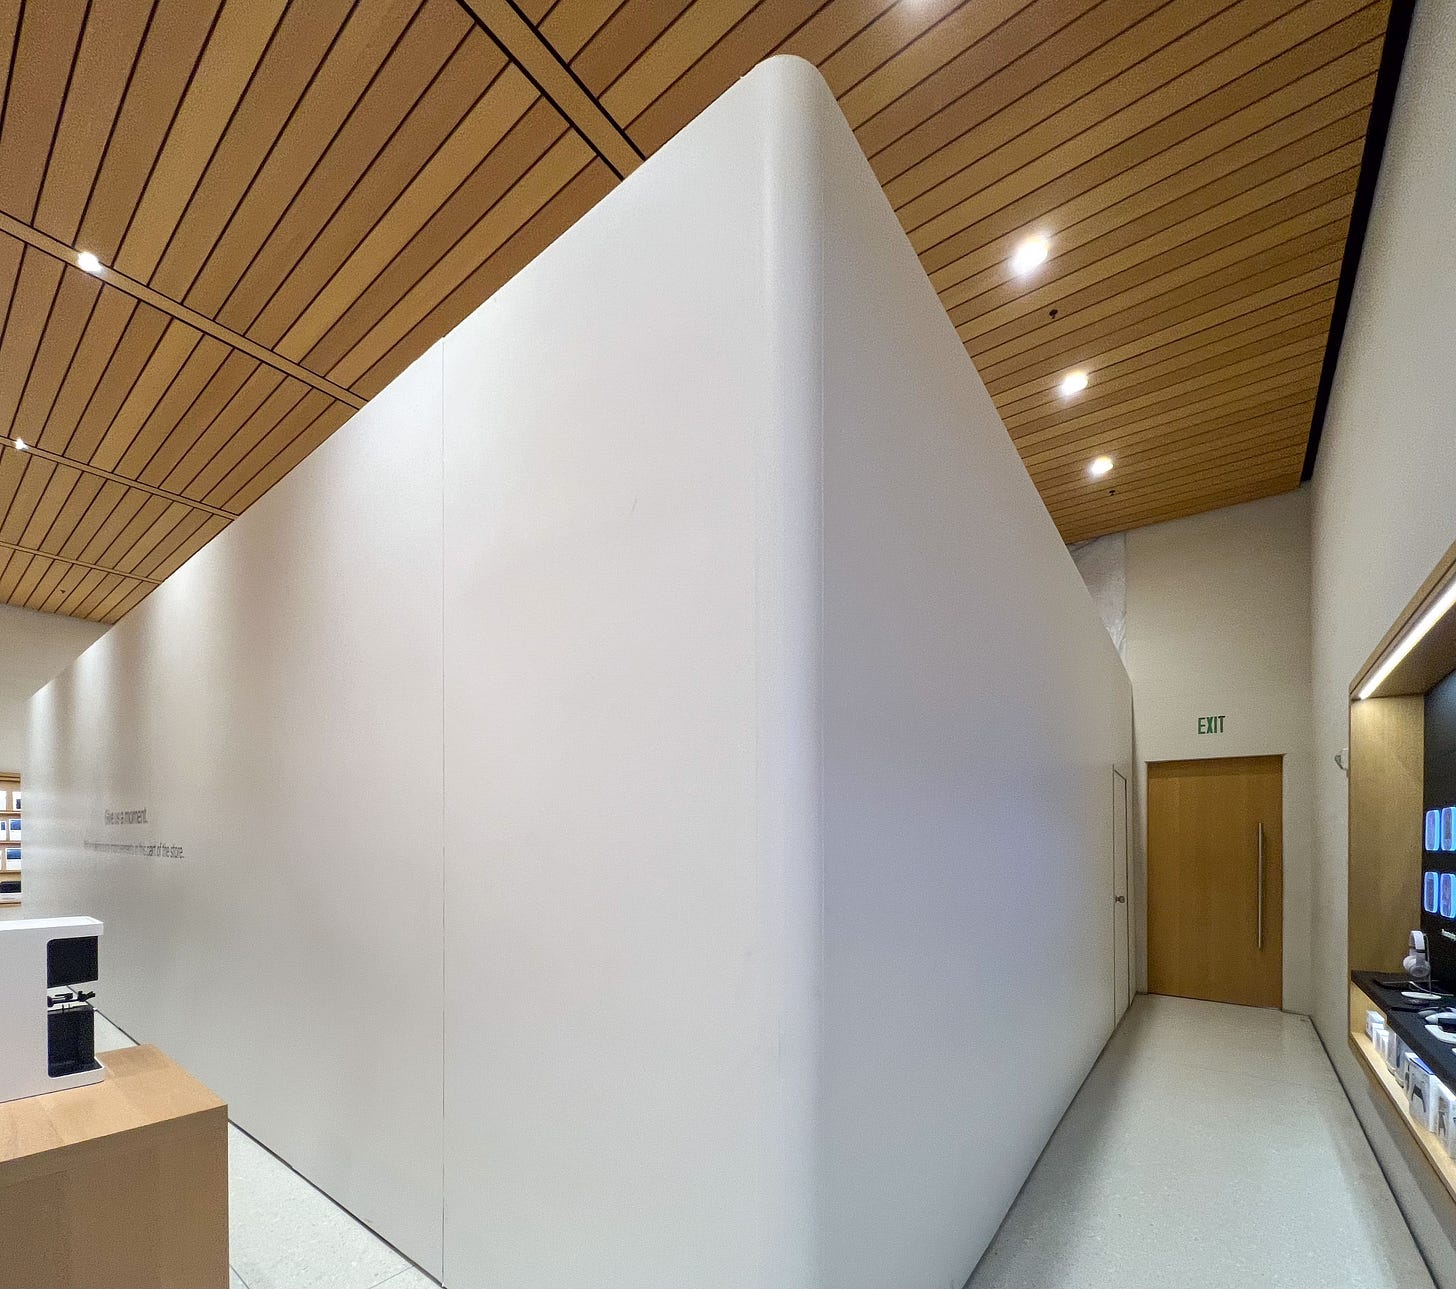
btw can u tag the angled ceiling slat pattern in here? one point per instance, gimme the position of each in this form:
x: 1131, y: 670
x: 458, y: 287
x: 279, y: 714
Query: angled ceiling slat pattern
x: 295, y: 198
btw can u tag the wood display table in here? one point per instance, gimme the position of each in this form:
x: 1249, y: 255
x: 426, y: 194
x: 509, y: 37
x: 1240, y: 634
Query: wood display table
x: 122, y: 1183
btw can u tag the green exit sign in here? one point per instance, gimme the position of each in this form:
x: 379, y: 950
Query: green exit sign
x: 1210, y: 724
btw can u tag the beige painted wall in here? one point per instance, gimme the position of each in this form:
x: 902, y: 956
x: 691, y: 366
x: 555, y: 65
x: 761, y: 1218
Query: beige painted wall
x: 1383, y: 514
x: 33, y: 648
x: 1218, y: 625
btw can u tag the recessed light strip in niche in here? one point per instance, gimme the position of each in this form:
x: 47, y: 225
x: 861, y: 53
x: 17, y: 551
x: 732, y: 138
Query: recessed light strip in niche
x: 85, y: 467
x: 165, y: 304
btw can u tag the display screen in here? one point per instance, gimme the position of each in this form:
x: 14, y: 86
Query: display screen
x: 1438, y: 906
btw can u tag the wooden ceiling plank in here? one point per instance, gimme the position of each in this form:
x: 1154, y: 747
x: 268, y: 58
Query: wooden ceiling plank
x: 835, y: 26
x: 414, y: 64
x: 289, y: 66
x: 521, y: 42
x: 1221, y: 237
x: 167, y: 532
x: 1285, y: 375
x: 1262, y: 407
x: 128, y: 504
x: 964, y: 29
x: 1232, y: 196
x: 1193, y: 100
x: 16, y: 509
x: 462, y: 104
x: 243, y: 490
x: 173, y: 554
x: 573, y: 24
x: 617, y: 36
x: 353, y: 60
x: 199, y: 419
x: 879, y: 40
x: 1028, y: 55
x: 768, y: 26
x: 171, y: 49
x: 554, y: 218
x: 1281, y: 464
x: 1183, y: 344
x: 263, y: 442
x: 1114, y: 347
x: 110, y: 44
x: 70, y: 313
x: 1157, y: 392
x: 494, y: 180
x: 556, y: 168
x: 115, y: 610
x: 254, y: 393
x: 1282, y: 145
x: 1108, y: 177
x: 1083, y: 344
x: 45, y: 53
x: 42, y: 518
x: 1091, y: 100
x: 1171, y: 453
x: 14, y: 570
x: 1155, y: 461
x: 51, y: 580
x: 79, y: 499
x: 228, y: 451
x: 1233, y: 497
x: 1199, y: 353
x: 697, y: 30
x: 151, y: 383
x: 152, y: 521
x: 91, y: 587
x: 234, y: 50
x: 36, y: 288
x: 172, y: 411
x: 86, y: 406
x: 497, y: 111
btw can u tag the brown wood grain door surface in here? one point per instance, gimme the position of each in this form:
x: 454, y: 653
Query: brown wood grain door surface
x: 1205, y: 937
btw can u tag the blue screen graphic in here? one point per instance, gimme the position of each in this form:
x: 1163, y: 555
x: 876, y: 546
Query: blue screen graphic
x: 1448, y: 895
x: 1431, y: 900
x: 1448, y: 828
x: 1433, y: 830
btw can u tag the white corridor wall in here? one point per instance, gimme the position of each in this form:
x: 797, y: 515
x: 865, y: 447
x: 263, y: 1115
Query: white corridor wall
x: 684, y: 635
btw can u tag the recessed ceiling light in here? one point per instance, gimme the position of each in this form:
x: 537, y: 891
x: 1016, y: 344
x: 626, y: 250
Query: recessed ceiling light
x: 1029, y: 252
x: 85, y: 260
x: 1074, y: 382
x: 20, y: 445
x: 1099, y: 467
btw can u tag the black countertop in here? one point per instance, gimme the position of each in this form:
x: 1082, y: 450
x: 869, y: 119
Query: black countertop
x: 1407, y: 1018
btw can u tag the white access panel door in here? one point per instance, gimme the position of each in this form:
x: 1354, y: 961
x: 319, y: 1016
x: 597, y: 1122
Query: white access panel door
x: 1121, y: 922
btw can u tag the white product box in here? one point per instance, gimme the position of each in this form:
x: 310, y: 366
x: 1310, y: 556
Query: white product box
x: 1445, y: 1105
x: 1394, y: 1053
x: 1373, y: 1020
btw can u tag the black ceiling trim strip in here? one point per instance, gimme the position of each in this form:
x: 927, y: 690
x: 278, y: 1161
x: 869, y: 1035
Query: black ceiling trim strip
x: 1387, y: 81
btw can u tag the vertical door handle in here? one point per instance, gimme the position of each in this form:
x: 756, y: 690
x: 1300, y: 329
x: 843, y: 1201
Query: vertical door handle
x: 1259, y: 915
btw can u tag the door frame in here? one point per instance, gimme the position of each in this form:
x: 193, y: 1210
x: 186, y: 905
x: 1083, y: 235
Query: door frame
x: 1127, y: 869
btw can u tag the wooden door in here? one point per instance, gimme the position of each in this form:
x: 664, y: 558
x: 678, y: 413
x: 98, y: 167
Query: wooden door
x: 1216, y: 879
x: 1122, y: 982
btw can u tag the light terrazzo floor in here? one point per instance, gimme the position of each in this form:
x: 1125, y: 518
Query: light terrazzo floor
x: 1211, y: 1146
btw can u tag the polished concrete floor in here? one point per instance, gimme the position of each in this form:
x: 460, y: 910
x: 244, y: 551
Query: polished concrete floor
x: 1211, y: 1146
x: 285, y: 1233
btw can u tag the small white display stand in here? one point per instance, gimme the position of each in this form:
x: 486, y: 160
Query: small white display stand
x: 24, y: 1046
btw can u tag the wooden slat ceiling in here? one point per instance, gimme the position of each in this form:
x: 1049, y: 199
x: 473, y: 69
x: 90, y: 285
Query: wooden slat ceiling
x: 293, y: 199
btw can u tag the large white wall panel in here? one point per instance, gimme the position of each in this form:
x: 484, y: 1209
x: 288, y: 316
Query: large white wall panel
x: 779, y: 735
x: 973, y: 709
x: 275, y: 708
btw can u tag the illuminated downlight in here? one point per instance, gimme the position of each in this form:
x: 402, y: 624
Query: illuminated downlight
x: 1448, y: 895
x: 1430, y: 893
x: 1433, y: 830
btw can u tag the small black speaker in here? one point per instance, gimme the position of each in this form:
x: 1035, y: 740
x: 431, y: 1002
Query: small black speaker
x: 71, y: 961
